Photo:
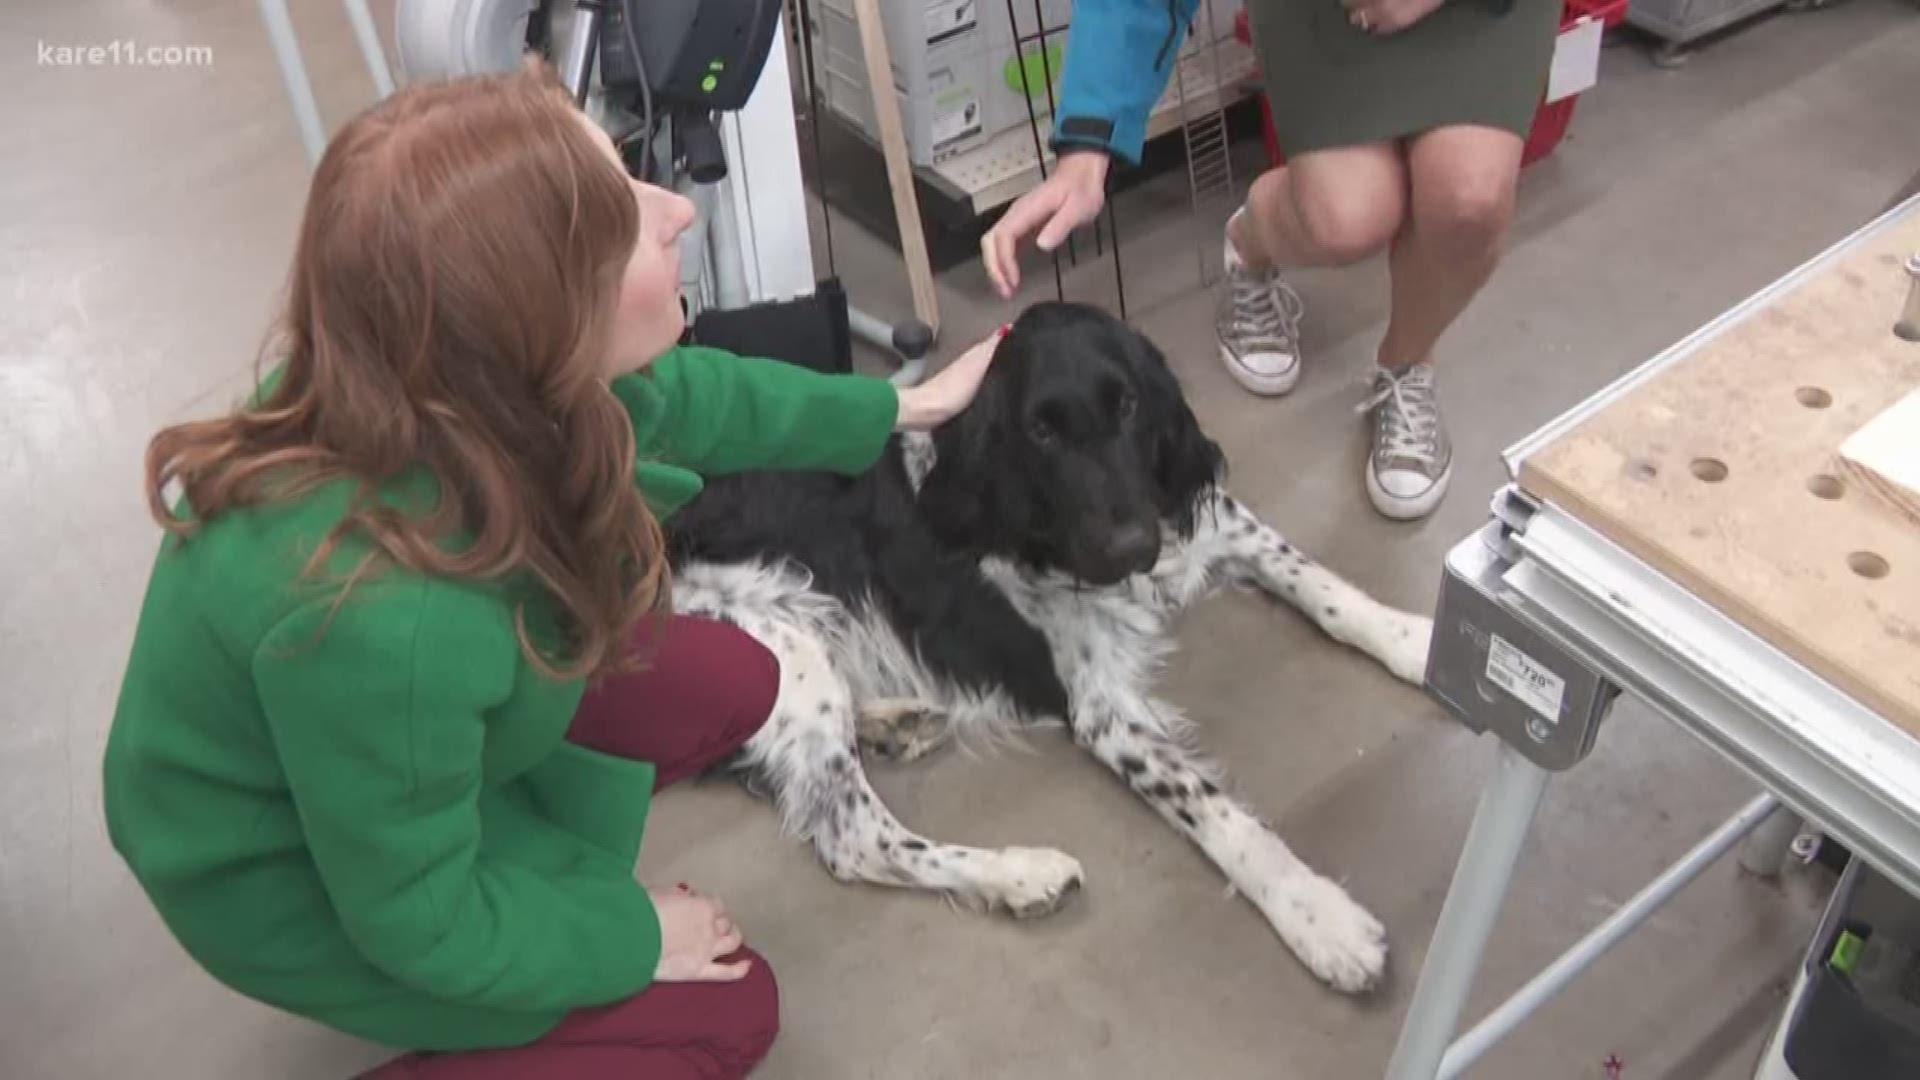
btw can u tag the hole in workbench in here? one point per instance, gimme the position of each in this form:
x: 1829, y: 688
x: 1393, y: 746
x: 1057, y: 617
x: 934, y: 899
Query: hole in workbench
x: 1711, y: 470
x: 1868, y: 564
x: 1813, y: 397
x: 1826, y: 486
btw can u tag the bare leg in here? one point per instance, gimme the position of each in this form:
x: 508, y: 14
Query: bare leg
x: 1461, y: 199
x: 1325, y: 208
x: 1462, y: 192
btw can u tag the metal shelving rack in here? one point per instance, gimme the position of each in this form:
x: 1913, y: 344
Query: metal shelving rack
x: 1212, y: 78
x: 1214, y: 72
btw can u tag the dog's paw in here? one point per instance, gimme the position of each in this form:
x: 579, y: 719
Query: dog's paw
x: 899, y: 729
x: 1402, y: 646
x: 1031, y: 882
x: 1339, y: 941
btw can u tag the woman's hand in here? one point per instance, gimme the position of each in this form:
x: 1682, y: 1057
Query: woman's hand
x: 1062, y: 203
x: 695, y: 933
x: 1388, y: 16
x: 944, y: 394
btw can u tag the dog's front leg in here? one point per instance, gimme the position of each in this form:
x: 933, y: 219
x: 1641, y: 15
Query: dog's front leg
x: 1257, y: 555
x: 1138, y: 738
x: 807, y: 756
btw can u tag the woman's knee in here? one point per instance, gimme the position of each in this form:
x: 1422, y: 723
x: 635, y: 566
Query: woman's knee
x: 720, y: 659
x: 756, y: 675
x: 1463, y: 191
x: 1349, y: 215
x: 754, y: 1011
x: 1470, y: 213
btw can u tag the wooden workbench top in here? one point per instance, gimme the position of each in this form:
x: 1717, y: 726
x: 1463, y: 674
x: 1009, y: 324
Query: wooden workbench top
x: 1723, y: 471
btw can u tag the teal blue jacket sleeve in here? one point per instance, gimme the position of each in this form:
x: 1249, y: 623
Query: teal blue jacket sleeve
x: 1120, y: 55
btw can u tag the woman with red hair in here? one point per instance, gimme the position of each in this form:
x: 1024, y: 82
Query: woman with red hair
x: 405, y: 677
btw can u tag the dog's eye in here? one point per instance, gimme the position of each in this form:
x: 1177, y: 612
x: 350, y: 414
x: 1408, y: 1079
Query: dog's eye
x: 1039, y: 431
x: 1127, y: 407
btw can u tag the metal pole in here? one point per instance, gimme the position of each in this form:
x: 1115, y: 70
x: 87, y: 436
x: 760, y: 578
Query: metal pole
x: 293, y: 72
x: 1765, y: 853
x: 879, y: 334
x: 1480, y: 880
x: 369, y: 37
x: 729, y: 271
x: 1542, y: 987
x: 694, y: 249
x: 575, y: 65
x: 869, y: 328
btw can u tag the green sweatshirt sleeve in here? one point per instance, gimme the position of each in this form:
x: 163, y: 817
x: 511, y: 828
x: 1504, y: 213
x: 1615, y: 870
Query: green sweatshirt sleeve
x: 713, y: 412
x: 378, y: 713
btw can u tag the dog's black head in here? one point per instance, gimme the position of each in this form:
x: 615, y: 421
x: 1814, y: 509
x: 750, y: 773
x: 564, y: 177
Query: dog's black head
x: 1077, y: 453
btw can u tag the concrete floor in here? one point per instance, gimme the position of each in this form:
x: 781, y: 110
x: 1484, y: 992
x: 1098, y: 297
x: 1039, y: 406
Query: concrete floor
x: 145, y: 220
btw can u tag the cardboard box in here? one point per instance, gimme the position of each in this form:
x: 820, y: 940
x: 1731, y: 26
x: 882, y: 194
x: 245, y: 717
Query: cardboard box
x: 955, y: 70
x: 1004, y: 104
x: 1005, y: 107
x: 938, y: 50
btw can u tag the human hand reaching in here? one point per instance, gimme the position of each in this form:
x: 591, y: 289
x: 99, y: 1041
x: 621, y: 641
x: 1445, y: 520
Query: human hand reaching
x: 1388, y: 16
x: 695, y: 932
x: 944, y: 394
x: 1062, y: 203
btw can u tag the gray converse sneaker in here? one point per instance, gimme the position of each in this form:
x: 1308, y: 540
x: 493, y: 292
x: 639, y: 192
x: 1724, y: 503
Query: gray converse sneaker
x: 1412, y: 459
x: 1259, y: 327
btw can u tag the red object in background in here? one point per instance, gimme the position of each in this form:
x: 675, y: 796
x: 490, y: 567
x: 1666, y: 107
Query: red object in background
x: 1549, y: 124
x: 1243, y: 33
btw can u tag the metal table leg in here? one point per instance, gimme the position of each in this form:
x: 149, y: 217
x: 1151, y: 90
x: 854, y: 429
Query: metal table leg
x: 1480, y: 881
x: 1504, y: 673
x: 1765, y: 852
x: 1527, y: 1000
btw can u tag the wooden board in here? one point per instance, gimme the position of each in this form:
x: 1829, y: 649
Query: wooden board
x: 893, y: 145
x: 1723, y: 471
x: 1884, y: 456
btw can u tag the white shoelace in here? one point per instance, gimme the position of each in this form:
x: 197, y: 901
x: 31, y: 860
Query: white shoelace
x: 1411, y: 426
x: 1265, y: 306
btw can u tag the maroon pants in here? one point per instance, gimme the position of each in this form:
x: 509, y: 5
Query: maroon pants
x: 708, y: 688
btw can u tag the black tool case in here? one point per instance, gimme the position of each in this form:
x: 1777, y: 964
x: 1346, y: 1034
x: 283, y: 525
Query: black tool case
x: 1859, y: 1017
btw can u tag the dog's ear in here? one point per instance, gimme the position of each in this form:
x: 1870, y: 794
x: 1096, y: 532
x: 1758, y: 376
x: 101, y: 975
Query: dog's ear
x: 962, y: 498
x: 954, y: 491
x: 1184, y: 461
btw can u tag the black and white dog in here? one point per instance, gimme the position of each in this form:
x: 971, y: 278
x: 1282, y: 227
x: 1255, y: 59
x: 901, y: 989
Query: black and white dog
x: 1020, y: 566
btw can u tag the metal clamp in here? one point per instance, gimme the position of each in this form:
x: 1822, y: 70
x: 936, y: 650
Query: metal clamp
x: 1908, y: 328
x: 1497, y: 671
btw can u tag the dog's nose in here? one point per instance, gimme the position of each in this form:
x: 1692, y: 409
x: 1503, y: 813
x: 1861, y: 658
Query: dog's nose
x: 1134, y: 546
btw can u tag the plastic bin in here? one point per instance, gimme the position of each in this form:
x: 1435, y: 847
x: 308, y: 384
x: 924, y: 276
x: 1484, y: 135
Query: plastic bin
x: 1550, y: 123
x: 1859, y: 1015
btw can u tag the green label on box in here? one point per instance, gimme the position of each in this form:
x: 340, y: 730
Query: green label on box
x: 1036, y: 70
x: 1846, y: 952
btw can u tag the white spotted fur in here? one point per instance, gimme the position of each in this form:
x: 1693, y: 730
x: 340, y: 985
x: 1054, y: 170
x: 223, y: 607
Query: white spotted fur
x: 846, y: 674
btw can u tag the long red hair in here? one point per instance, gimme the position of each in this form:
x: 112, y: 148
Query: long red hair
x: 451, y: 307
